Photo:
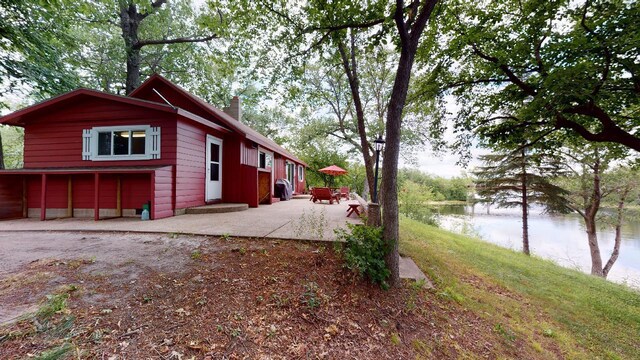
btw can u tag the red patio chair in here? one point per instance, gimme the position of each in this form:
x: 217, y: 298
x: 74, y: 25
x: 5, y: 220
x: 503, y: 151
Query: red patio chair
x: 322, y: 193
x: 344, y: 192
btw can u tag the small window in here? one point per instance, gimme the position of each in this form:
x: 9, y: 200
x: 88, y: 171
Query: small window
x: 265, y: 160
x: 121, y: 143
x: 300, y: 173
x: 262, y: 160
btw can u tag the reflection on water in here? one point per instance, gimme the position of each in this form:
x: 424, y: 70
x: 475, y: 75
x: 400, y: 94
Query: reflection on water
x: 561, y: 238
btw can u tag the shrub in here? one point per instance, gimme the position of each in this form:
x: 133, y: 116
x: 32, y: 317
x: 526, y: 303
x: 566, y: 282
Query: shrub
x: 364, y: 252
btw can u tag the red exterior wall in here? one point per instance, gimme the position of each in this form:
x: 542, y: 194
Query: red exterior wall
x: 10, y: 196
x: 280, y: 172
x: 54, y: 139
x: 239, y: 181
x: 162, y: 205
x: 190, y: 165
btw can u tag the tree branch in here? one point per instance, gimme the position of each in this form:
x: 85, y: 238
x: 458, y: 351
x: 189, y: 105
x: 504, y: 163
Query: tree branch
x: 528, y: 89
x: 142, y: 43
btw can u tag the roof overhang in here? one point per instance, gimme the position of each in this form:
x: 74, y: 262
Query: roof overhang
x: 17, y: 118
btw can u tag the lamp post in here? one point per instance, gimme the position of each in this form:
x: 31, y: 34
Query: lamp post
x: 379, y: 144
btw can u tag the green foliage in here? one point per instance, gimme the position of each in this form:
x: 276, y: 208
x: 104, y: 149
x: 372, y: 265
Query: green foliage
x: 364, y: 252
x: 320, y: 153
x: 561, y: 67
x: 310, y: 298
x: 311, y: 225
x: 12, y: 146
x: 34, y: 48
x: 454, y: 189
x: 55, y: 354
x: 413, y: 199
x: 503, y: 177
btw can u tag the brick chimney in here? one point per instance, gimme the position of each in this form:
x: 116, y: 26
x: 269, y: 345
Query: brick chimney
x: 234, y: 109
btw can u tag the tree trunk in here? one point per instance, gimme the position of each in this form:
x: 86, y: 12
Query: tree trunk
x: 594, y: 247
x: 390, y: 169
x: 525, y: 207
x: 616, y: 246
x: 129, y: 22
x: 590, y: 222
x: 350, y: 66
x: 1, y: 154
x: 409, y: 33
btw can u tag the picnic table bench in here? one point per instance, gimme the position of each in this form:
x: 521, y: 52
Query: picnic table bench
x: 359, y: 208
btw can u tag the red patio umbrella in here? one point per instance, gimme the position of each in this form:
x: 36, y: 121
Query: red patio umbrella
x: 333, y: 170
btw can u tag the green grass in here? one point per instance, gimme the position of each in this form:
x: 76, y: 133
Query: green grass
x: 55, y: 354
x: 586, y: 317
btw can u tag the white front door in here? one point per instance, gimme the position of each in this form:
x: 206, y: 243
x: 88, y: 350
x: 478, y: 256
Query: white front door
x: 213, y: 183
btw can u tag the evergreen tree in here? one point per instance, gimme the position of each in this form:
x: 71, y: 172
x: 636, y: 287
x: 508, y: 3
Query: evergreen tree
x: 518, y: 179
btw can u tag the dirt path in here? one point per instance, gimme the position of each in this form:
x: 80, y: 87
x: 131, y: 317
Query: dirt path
x: 129, y: 296
x: 106, y: 250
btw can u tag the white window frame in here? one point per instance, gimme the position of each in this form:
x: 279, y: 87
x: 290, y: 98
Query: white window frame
x: 268, y: 159
x: 148, y: 143
x: 300, y: 173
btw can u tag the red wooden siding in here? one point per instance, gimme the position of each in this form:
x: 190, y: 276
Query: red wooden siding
x: 10, y: 196
x: 280, y: 172
x: 55, y: 139
x: 239, y: 181
x: 163, y: 193
x: 249, y: 154
x: 190, y: 165
x: 135, y: 190
x: 82, y: 189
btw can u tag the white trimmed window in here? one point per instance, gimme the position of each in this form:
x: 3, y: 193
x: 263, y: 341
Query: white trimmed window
x: 265, y: 160
x: 108, y: 143
x: 300, y: 173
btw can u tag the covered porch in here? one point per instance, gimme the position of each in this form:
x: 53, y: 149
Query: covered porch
x: 95, y: 193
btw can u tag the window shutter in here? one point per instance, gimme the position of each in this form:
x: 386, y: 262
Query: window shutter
x: 154, y: 137
x: 86, y: 144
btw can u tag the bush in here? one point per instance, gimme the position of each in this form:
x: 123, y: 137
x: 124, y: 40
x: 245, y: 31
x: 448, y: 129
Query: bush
x: 364, y: 252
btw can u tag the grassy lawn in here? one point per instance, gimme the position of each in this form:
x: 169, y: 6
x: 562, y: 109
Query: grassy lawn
x: 527, y: 297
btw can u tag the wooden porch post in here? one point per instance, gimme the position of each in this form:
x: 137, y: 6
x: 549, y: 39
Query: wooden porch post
x: 118, y: 196
x: 43, y: 198
x: 69, y: 197
x: 25, y: 205
x: 96, y: 198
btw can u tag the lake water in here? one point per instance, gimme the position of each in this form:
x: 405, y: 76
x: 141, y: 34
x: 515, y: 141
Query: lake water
x: 561, y: 238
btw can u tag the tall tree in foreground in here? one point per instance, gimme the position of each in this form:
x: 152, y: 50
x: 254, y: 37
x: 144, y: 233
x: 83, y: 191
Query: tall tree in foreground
x: 297, y: 30
x: 518, y: 179
x: 410, y: 22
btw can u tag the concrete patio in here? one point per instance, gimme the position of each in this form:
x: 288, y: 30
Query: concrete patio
x: 297, y: 218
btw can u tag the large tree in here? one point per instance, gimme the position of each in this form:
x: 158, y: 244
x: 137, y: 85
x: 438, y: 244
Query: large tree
x: 296, y: 30
x: 539, y: 67
x: 132, y: 15
x: 595, y: 178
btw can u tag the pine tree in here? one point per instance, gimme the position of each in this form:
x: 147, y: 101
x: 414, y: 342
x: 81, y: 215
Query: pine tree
x: 519, y: 179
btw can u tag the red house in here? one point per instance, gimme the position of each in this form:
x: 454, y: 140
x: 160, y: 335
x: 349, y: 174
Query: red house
x: 93, y: 154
